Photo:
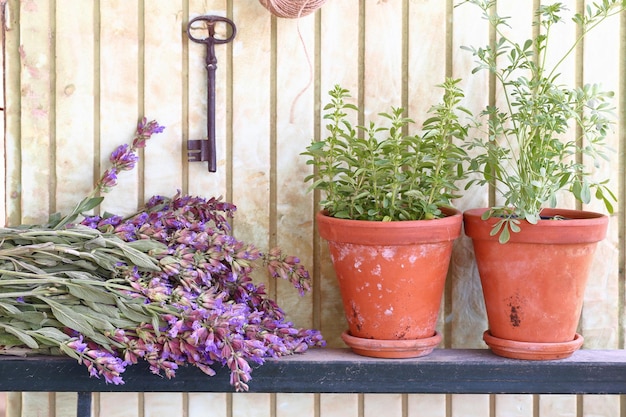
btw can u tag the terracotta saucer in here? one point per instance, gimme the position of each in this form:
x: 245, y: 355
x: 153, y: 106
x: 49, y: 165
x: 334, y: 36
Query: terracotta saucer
x: 392, y: 349
x: 530, y: 350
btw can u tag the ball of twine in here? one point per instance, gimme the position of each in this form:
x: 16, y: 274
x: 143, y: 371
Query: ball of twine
x: 292, y: 9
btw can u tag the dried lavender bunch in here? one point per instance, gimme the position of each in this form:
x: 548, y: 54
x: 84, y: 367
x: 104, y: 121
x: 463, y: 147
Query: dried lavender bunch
x: 206, y: 275
x: 169, y: 285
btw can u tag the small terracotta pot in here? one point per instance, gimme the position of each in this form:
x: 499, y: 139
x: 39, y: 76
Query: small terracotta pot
x: 534, y: 285
x: 391, y: 276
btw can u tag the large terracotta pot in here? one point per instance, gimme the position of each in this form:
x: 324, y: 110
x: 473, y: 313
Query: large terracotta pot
x: 391, y: 277
x: 534, y: 285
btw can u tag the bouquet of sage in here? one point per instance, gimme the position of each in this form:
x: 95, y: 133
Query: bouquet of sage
x: 169, y: 285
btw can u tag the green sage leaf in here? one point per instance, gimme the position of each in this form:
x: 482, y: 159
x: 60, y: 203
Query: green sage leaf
x: 69, y: 318
x: 33, y: 317
x: 135, y: 314
x: 52, y: 333
x: 146, y: 245
x: 88, y: 293
x: 108, y: 310
x: 89, y: 203
x: 139, y: 259
x: 98, y: 242
x: 105, y: 260
x: 97, y: 320
x: 9, y: 308
x: 8, y: 340
x: 21, y: 335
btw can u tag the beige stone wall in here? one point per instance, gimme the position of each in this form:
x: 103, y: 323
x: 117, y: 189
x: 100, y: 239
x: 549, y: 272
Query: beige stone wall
x: 79, y: 73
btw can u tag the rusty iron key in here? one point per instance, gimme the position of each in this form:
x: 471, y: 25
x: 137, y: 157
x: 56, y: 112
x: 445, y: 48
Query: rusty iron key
x: 204, y: 149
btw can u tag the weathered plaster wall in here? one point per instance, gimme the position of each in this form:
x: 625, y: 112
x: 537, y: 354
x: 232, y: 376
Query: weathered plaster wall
x: 79, y: 73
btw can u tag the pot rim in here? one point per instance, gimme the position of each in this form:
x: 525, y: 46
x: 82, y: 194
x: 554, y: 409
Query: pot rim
x: 405, y: 232
x: 579, y: 226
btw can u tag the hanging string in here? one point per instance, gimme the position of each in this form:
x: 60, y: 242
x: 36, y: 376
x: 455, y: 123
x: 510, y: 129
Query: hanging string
x: 294, y: 9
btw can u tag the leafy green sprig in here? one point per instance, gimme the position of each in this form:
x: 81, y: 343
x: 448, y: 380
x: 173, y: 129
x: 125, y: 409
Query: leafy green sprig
x: 525, y: 153
x: 377, y: 172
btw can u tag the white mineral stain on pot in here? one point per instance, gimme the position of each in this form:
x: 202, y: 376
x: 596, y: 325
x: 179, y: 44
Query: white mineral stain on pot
x: 363, y: 287
x: 388, y: 253
x: 389, y: 311
x: 342, y: 251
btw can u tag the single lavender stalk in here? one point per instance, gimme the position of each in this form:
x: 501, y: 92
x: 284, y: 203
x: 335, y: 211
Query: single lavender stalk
x: 123, y: 158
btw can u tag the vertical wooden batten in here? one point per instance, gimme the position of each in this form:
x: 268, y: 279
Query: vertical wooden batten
x: 600, y: 322
x: 119, y: 94
x: 35, y: 40
x: 273, y: 238
x: 119, y: 90
x: 340, y: 63
x: 161, y: 72
x: 13, y: 105
x: 294, y: 111
x: 74, y: 92
x: 96, y: 162
x: 3, y: 179
x: 622, y: 192
x: 316, y: 293
x: 467, y: 320
x: 251, y: 123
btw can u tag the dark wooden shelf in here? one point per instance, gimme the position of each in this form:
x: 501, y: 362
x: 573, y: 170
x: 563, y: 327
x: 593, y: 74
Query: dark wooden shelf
x: 341, y: 371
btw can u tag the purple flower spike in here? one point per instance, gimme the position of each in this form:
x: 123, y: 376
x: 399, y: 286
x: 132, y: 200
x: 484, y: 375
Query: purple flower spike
x: 123, y: 158
x: 78, y: 345
x: 108, y: 180
x: 146, y: 129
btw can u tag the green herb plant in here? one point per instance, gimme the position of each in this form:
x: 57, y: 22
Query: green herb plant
x: 524, y: 152
x: 380, y: 173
